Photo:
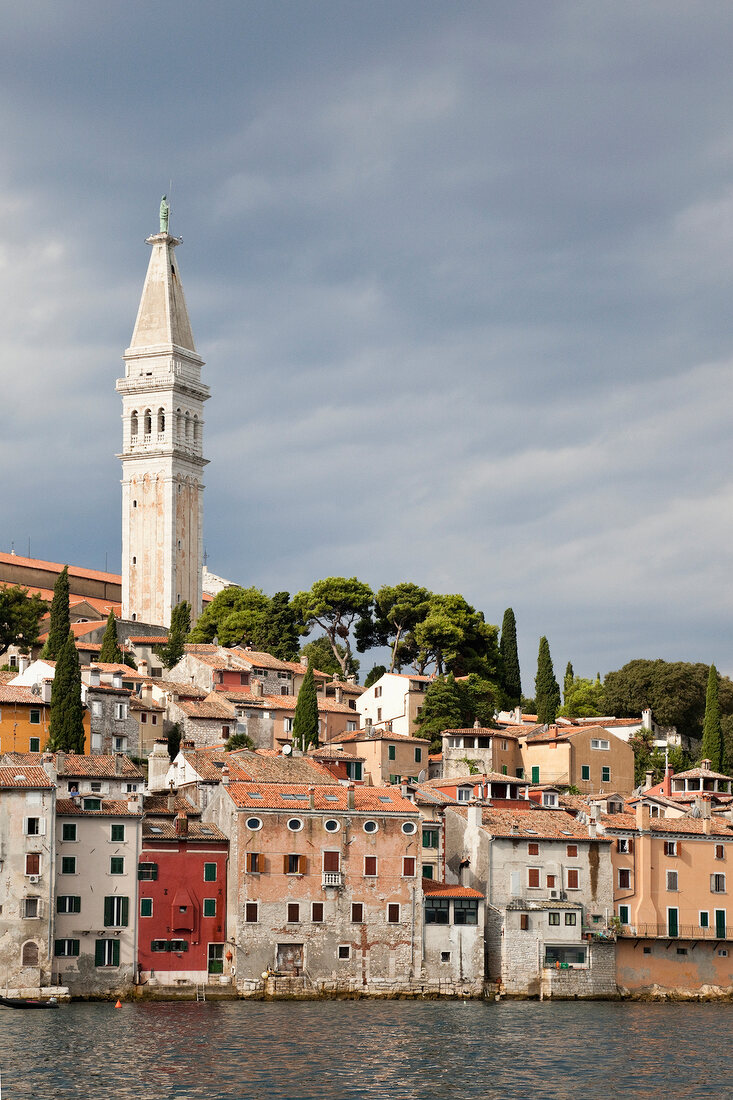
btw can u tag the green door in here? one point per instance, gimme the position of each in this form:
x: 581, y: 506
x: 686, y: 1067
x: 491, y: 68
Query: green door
x: 535, y: 774
x: 673, y: 922
x: 216, y: 958
x: 720, y: 923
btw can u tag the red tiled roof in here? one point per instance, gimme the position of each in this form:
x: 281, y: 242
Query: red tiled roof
x: 149, y: 639
x: 208, y: 708
x: 448, y: 890
x: 110, y: 807
x: 679, y: 825
x: 334, y: 798
x: 182, y: 690
x: 127, y: 672
x: 56, y: 567
x: 197, y: 831
x: 23, y: 777
x: 16, y: 693
x: 698, y: 773
x: 284, y: 702
x: 79, y: 629
x: 156, y: 805
x: 104, y: 767
x: 472, y: 780
x: 377, y: 735
x: 533, y: 824
x: 93, y: 688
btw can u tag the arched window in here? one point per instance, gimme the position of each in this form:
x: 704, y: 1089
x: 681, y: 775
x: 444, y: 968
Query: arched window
x: 161, y: 421
x: 188, y: 427
x: 196, y: 430
x: 30, y: 954
x: 133, y: 425
x: 148, y: 424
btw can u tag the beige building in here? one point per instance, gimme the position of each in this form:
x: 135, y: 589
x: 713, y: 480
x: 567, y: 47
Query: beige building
x: 162, y: 456
x: 388, y: 757
x: 394, y: 702
x: 591, y: 758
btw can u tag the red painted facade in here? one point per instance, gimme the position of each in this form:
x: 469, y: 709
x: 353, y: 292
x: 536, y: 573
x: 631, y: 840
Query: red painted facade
x: 182, y: 901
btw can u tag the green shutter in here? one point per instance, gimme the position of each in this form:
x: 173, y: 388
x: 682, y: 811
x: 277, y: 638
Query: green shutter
x: 108, y: 912
x: 535, y: 774
x: 209, y: 872
x: 115, y: 952
x: 76, y: 904
x: 99, y: 953
x: 125, y: 920
x: 146, y: 907
x: 75, y: 947
x: 58, y: 946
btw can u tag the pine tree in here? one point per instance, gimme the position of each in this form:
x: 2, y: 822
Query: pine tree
x: 59, y: 626
x: 511, y: 679
x: 305, y: 719
x: 283, y: 639
x: 442, y: 709
x: 547, y: 692
x: 110, y: 653
x: 171, y: 653
x: 713, y: 744
x: 567, y: 684
x: 66, y: 727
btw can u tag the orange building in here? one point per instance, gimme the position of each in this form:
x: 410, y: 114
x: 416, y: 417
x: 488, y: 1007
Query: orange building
x: 24, y: 719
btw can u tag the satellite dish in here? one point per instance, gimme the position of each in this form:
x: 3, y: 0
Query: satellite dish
x: 422, y: 776
x: 36, y: 689
x: 287, y: 749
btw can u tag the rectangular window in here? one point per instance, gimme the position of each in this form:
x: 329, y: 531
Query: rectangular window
x: 33, y: 826
x: 379, y: 714
x: 535, y: 774
x: 33, y: 863
x: 157, y: 946
x: 68, y: 903
x: 147, y: 872
x: 597, y: 743
x: 250, y: 912
x: 143, y: 716
x: 294, y: 864
x: 572, y: 851
x: 524, y: 922
x: 670, y: 848
x: 254, y: 862
x: 117, y: 834
x: 116, y: 912
x: 605, y: 775
x: 573, y: 878
x: 34, y: 744
x: 120, y: 710
x: 717, y: 884
x: 354, y: 770
x: 331, y: 861
x: 209, y: 907
x: 68, y: 865
x: 370, y: 866
x: 704, y: 918
x: 317, y: 912
x: 146, y: 907
x: 117, y: 865
x: 68, y: 831
x: 97, y: 710
x: 624, y: 879
x: 437, y: 910
x: 393, y: 914
x: 465, y: 911
x: 554, y: 918
x: 430, y: 838
x: 92, y: 803
x: 293, y: 912
x: 623, y: 914
x: 209, y: 872
x: 533, y: 878
x: 551, y: 882
x: 418, y: 756
x: 66, y: 948
x: 35, y: 717
x: 107, y: 953
x: 673, y: 922
x: 427, y: 870
x: 30, y: 908
x: 571, y: 919
x: 720, y: 851
x: 533, y: 848
x: 408, y: 866
x: 378, y: 693
x: 671, y: 880
x: 623, y: 845
x: 519, y: 772
x: 344, y: 951
x: 391, y: 752
x: 464, y: 794
x: 585, y: 771
x: 357, y: 912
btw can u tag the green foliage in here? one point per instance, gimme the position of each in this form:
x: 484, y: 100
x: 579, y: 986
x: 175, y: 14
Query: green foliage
x: 282, y: 639
x: 713, y: 743
x: 248, y: 617
x: 334, y: 604
x: 174, y: 740
x: 319, y: 653
x: 567, y: 685
x: 376, y: 674
x: 397, y: 611
x: 547, y: 691
x: 583, y: 698
x: 238, y: 741
x: 455, y: 704
x: 528, y: 705
x: 649, y: 758
x: 511, y: 680
x: 20, y: 615
x: 472, y: 766
x: 59, y: 626
x: 454, y: 637
x: 305, y: 719
x: 110, y: 653
x: 180, y: 625
x: 66, y: 726
x: 727, y: 724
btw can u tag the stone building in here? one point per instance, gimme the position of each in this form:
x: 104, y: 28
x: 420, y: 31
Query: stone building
x: 27, y: 814
x: 162, y: 456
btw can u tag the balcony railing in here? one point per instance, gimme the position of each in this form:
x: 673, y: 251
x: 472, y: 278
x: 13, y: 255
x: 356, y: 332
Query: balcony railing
x: 684, y: 932
x: 333, y: 878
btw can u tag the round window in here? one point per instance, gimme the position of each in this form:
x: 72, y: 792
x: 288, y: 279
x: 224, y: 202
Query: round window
x: 370, y: 826
x: 332, y: 825
x: 254, y: 823
x: 295, y: 824
x: 409, y: 827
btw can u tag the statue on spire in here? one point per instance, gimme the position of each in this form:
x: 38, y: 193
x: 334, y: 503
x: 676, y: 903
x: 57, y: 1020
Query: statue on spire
x: 164, y: 214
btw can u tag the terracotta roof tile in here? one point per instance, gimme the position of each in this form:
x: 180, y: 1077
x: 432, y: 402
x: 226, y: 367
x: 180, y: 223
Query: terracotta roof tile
x: 466, y: 780
x: 534, y: 824
x: 24, y: 777
x: 80, y: 629
x: 127, y: 672
x: 433, y: 889
x: 100, y: 767
x: 693, y: 826
x: 334, y: 798
x: 197, y: 831
x: 183, y: 691
x: 208, y: 708
x: 16, y: 693
x: 110, y: 807
x: 149, y: 639
x: 378, y: 735
x: 56, y: 567
x: 699, y: 773
x: 156, y: 805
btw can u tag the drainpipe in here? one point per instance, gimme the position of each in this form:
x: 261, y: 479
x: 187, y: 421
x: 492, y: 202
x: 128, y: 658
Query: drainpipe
x: 51, y: 880
x: 412, y: 938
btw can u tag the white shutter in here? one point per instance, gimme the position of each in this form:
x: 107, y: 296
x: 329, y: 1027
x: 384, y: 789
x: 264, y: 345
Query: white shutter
x: 515, y: 888
x: 25, y: 826
x: 41, y: 826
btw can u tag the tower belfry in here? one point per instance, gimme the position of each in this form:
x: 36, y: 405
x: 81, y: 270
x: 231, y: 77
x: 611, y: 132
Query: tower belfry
x: 162, y: 459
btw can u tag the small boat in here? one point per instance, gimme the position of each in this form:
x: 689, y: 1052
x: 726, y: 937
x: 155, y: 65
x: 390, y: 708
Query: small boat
x: 19, y: 1002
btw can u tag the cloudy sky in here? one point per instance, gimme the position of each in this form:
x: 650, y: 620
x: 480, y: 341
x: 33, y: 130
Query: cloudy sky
x: 461, y: 274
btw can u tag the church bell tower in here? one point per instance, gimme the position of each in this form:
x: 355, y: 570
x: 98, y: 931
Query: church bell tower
x: 162, y: 459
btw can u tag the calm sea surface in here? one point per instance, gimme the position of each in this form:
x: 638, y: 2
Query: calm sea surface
x: 333, y: 1049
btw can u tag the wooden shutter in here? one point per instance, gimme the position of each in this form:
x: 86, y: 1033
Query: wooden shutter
x: 533, y: 879
x: 393, y: 914
x: 331, y: 861
x: 108, y: 912
x: 99, y: 953
x: 302, y: 865
x: 286, y: 864
x: 408, y: 866
x: 370, y: 865
x: 115, y: 952
x: 125, y: 918
x: 317, y: 912
x: 524, y: 921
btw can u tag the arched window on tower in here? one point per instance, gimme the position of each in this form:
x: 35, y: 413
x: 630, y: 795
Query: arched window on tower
x: 196, y: 431
x: 188, y: 427
x: 133, y: 427
x: 148, y: 425
x: 161, y: 424
x: 178, y: 427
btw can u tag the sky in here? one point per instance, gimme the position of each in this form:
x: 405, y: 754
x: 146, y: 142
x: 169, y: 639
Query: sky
x: 461, y: 274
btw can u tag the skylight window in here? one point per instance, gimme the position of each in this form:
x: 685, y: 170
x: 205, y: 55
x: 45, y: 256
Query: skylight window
x: 254, y: 794
x: 332, y: 798
x: 384, y: 798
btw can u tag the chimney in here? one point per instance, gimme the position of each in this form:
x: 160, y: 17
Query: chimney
x: 133, y: 803
x: 225, y: 776
x: 642, y: 816
x: 119, y: 763
x: 188, y: 746
x: 646, y: 718
x: 404, y: 789
x: 142, y: 667
x: 182, y: 824
x: 475, y: 815
x: 368, y: 727
x: 171, y: 798
x: 60, y: 763
x: 23, y: 662
x: 648, y: 779
x: 350, y: 797
x: 476, y: 724
x: 49, y: 765
x: 93, y: 676
x: 339, y: 694
x: 706, y: 765
x: 158, y: 765
x: 335, y: 678
x: 311, y: 798
x: 46, y: 688
x: 592, y: 826
x: 117, y: 679
x: 706, y: 810
x: 257, y: 688
x: 351, y: 679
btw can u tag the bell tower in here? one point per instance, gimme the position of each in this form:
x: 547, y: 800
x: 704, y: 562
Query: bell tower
x: 162, y: 458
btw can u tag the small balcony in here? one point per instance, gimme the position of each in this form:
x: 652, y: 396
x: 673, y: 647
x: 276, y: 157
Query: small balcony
x: 716, y: 931
x: 332, y: 879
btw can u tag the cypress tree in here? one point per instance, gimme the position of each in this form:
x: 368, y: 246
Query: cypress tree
x: 283, y: 639
x: 180, y: 627
x: 511, y: 679
x: 567, y: 684
x: 305, y: 719
x: 59, y: 626
x: 442, y: 709
x: 110, y: 653
x: 547, y: 691
x: 66, y: 727
x: 713, y: 744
